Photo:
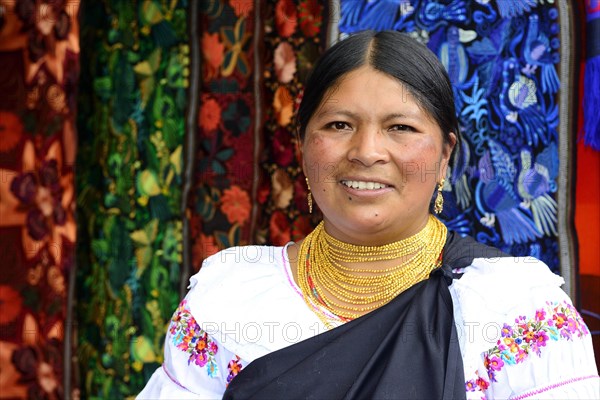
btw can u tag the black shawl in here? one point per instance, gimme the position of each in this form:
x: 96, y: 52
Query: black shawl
x: 406, y: 349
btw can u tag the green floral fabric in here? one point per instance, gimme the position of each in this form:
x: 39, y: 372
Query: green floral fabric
x: 129, y: 178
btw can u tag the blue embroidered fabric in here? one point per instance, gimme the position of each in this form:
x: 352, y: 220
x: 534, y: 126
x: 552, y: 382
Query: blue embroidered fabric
x: 502, y: 59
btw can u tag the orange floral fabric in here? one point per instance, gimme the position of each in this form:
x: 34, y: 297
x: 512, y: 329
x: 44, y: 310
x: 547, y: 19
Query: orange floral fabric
x: 39, y: 54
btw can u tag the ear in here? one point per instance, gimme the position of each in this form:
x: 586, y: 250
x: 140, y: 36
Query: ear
x: 299, y: 152
x: 447, y: 148
x: 452, y: 139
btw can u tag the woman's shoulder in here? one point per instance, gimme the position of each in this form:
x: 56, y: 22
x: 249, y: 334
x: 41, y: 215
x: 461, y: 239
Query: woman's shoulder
x: 239, y: 277
x: 245, y: 298
x: 241, y: 264
x: 513, y: 318
x: 479, y: 267
x: 506, y: 286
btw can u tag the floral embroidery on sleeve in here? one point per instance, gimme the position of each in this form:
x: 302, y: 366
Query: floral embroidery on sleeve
x: 234, y: 367
x: 477, y: 384
x: 528, y: 336
x: 187, y: 336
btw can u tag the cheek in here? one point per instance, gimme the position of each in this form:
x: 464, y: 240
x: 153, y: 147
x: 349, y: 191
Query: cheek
x: 419, y: 163
x: 320, y: 160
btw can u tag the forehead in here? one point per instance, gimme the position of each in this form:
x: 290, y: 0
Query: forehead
x: 371, y: 90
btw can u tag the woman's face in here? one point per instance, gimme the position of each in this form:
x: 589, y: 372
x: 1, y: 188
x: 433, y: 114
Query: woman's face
x: 373, y: 158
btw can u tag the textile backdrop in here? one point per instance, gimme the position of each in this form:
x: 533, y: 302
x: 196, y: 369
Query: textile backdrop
x: 129, y: 165
x: 186, y: 146
x: 248, y: 186
x: 501, y: 58
x: 39, y: 59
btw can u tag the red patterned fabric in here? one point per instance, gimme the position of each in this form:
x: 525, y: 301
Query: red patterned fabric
x: 222, y: 197
x: 229, y: 180
x: 294, y: 39
x: 39, y: 54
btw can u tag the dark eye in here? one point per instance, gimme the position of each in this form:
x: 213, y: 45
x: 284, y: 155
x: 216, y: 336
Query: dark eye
x: 339, y: 125
x: 402, y: 128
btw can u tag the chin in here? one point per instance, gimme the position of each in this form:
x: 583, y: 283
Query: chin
x: 365, y: 227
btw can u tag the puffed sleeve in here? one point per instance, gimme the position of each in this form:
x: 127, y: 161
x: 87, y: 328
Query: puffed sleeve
x: 196, y: 366
x: 522, y: 338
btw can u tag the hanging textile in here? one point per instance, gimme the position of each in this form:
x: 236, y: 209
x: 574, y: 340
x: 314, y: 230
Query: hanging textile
x: 591, y: 93
x: 295, y: 36
x: 132, y: 107
x: 248, y: 186
x: 223, y: 192
x: 39, y: 55
x: 502, y: 59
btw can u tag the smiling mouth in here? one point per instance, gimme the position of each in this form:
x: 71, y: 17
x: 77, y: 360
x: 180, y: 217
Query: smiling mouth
x: 364, y: 185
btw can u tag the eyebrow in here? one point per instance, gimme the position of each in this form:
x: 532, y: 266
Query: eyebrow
x: 350, y: 114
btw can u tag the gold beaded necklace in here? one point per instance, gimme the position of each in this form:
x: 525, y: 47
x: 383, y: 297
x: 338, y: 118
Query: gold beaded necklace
x: 327, y: 278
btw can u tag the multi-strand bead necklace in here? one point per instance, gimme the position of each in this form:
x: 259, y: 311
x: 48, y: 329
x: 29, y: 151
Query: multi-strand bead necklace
x: 327, y: 278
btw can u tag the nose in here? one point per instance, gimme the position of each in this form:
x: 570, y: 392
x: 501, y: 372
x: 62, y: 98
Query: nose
x: 368, y: 147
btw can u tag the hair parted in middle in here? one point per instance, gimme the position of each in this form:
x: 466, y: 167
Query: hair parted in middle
x: 395, y: 54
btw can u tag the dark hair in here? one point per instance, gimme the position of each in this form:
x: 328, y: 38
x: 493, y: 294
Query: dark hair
x: 395, y: 54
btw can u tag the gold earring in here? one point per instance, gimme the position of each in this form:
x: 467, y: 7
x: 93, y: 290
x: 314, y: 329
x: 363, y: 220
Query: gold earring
x: 439, y: 199
x: 309, y: 197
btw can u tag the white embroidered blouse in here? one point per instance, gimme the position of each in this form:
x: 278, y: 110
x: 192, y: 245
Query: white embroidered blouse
x: 519, y: 334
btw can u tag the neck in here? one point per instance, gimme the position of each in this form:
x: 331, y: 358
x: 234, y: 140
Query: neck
x: 351, y: 280
x: 374, y: 237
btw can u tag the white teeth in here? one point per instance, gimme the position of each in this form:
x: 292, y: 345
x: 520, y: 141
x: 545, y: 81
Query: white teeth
x: 361, y: 185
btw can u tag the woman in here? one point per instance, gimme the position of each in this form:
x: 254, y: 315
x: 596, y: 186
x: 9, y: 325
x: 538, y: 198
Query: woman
x: 380, y: 300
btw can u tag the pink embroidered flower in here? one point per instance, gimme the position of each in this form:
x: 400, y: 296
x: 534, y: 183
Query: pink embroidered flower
x: 572, y: 325
x: 285, y: 62
x: 199, y: 359
x: 559, y: 320
x: 540, y: 315
x: 213, y: 347
x: 541, y: 338
x: 520, y: 356
x: 495, y: 363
